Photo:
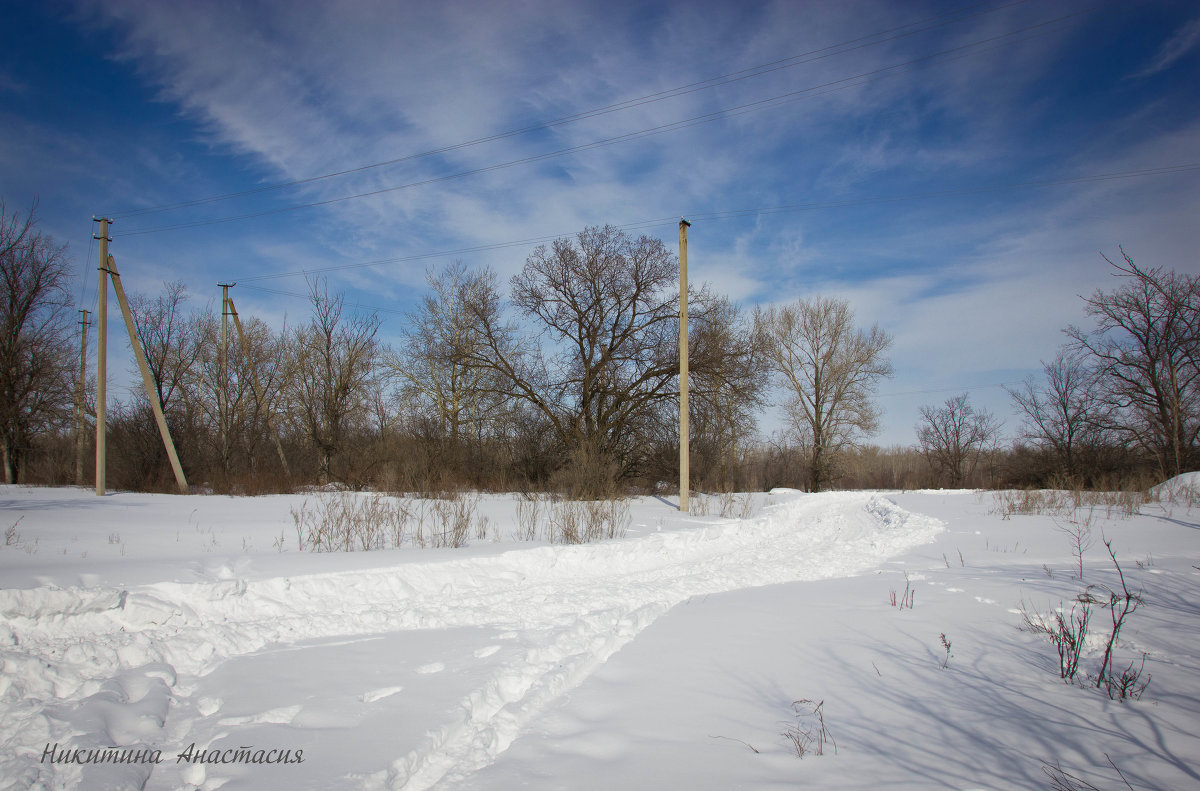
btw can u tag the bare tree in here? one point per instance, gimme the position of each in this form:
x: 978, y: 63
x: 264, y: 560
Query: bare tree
x: 1146, y: 348
x: 728, y: 388
x: 171, y: 341
x: 36, y: 352
x: 606, y: 354
x: 332, y: 360
x: 829, y: 369
x: 436, y: 361
x: 251, y: 386
x: 954, y: 438
x: 1065, y: 414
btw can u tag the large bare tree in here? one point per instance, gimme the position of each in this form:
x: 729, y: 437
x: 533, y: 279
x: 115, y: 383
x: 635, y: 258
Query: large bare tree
x: 604, y: 358
x: 604, y: 355
x: 1147, y: 351
x: 36, y: 353
x: 830, y: 369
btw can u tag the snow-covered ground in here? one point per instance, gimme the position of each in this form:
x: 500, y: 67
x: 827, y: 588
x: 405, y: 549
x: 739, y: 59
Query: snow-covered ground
x: 142, y: 627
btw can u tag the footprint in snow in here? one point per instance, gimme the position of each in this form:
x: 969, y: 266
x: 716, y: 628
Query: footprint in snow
x: 280, y: 716
x: 379, y: 694
x: 432, y: 667
x: 208, y: 706
x: 982, y: 600
x: 486, y: 651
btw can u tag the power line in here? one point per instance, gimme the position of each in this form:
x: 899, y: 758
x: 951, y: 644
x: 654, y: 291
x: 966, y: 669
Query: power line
x: 947, y: 389
x: 1160, y: 171
x: 761, y: 104
x: 792, y: 61
x: 83, y: 285
x: 355, y: 305
x: 764, y: 210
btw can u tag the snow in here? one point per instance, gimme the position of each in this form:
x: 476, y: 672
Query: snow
x: 667, y: 658
x: 1181, y: 486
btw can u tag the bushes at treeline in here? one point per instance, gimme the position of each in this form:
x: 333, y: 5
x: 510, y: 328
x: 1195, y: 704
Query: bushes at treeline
x: 569, y: 383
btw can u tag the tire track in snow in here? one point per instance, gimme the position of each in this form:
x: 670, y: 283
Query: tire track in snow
x: 590, y: 600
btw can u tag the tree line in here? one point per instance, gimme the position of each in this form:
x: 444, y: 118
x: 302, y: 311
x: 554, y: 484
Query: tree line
x: 568, y: 381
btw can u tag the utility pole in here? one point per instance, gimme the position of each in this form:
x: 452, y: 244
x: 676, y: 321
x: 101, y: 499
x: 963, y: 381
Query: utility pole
x: 147, y: 379
x: 80, y: 398
x: 102, y: 357
x: 222, y: 375
x: 684, y: 472
x: 258, y: 391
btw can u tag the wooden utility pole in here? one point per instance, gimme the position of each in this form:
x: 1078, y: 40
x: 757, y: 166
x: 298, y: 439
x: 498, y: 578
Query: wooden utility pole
x: 258, y: 391
x: 147, y: 379
x: 102, y: 358
x: 80, y: 398
x: 684, y: 472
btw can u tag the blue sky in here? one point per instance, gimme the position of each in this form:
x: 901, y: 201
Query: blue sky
x: 941, y: 157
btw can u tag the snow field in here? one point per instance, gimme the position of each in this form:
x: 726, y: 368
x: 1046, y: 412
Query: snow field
x: 570, y: 608
x: 667, y: 659
x: 701, y: 698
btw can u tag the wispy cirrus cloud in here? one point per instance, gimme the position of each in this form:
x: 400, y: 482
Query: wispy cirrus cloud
x: 1184, y: 41
x: 268, y: 91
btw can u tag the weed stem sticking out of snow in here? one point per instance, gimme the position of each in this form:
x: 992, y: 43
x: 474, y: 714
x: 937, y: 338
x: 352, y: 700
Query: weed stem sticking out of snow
x: 808, y: 734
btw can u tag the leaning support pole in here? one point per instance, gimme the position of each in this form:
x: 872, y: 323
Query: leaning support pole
x: 258, y: 391
x: 147, y: 380
x: 684, y: 472
x: 223, y: 379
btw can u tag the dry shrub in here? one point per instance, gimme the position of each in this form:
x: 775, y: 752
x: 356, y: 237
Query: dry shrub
x: 731, y: 505
x: 587, y: 475
x: 581, y: 521
x: 345, y: 522
x: 452, y: 520
x: 736, y: 506
x: 529, y: 508
x: 1066, y: 632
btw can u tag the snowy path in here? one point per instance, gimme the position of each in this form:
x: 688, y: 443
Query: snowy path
x: 96, y: 667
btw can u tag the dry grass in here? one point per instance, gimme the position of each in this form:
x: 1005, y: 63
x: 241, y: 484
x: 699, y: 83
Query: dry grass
x: 808, y: 735
x: 730, y: 505
x: 346, y: 522
x: 561, y: 521
x: 1064, y: 503
x: 334, y: 521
